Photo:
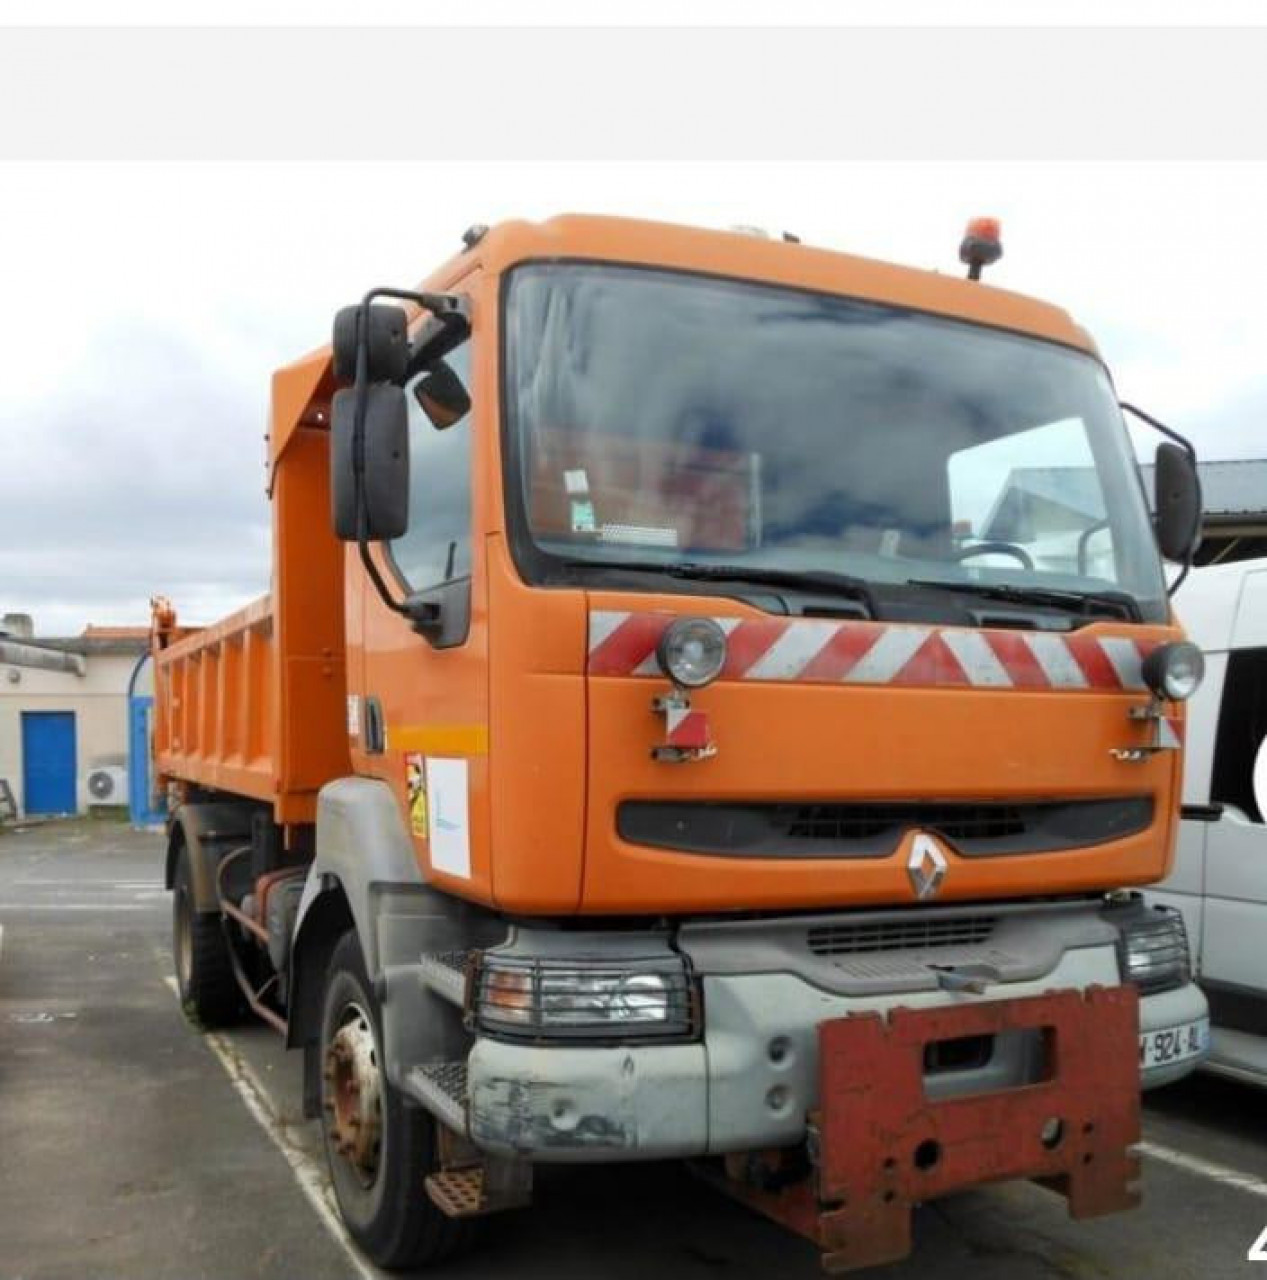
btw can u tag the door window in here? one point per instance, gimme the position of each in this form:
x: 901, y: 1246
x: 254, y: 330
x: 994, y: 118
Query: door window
x: 437, y: 547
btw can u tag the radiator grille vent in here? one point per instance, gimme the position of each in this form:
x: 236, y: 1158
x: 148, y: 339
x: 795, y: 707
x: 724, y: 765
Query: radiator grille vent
x: 899, y: 935
x: 875, y: 829
x: 847, y: 822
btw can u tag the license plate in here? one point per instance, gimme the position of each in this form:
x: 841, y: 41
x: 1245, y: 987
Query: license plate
x: 1174, y: 1044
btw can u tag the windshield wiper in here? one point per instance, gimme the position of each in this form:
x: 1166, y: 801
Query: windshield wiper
x: 1080, y: 602
x: 823, y: 580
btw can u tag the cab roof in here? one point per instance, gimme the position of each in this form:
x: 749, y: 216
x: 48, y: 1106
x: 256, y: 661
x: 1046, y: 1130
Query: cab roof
x: 733, y: 254
x: 739, y: 254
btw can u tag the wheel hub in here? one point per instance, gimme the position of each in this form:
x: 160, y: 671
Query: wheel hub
x: 353, y: 1093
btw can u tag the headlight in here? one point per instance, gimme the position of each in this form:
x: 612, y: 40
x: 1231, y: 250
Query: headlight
x: 561, y: 999
x: 1174, y: 671
x: 1153, y: 948
x: 692, y: 651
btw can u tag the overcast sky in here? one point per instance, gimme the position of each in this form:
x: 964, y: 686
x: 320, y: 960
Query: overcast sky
x: 144, y: 307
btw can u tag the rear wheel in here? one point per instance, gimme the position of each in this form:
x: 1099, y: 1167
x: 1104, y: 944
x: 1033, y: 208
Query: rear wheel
x: 208, y: 990
x: 380, y: 1148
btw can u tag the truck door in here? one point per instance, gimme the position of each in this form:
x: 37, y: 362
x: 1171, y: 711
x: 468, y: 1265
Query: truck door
x: 1234, y: 958
x: 425, y: 715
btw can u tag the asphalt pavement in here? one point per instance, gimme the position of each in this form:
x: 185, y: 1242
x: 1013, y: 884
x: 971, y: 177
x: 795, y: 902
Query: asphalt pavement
x: 134, y: 1146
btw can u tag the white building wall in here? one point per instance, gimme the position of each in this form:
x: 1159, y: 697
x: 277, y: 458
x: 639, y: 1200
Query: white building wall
x: 99, y: 701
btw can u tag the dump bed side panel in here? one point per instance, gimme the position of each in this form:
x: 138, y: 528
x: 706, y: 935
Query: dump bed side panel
x: 256, y: 705
x: 215, y: 703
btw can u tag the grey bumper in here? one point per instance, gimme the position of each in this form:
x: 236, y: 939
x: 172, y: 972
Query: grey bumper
x: 572, y: 1105
x: 748, y: 1084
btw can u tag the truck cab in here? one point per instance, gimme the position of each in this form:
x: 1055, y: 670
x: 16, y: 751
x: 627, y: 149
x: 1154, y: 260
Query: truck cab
x: 717, y: 699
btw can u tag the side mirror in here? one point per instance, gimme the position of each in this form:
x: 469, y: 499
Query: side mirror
x: 388, y: 343
x: 1177, y: 499
x: 385, y: 474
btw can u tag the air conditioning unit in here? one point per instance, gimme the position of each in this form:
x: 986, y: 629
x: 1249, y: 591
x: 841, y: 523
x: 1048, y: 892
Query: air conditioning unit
x: 108, y: 785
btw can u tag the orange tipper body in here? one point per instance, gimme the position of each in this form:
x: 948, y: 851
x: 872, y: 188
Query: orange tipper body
x: 882, y: 840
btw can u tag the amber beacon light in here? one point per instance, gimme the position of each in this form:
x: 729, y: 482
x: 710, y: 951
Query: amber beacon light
x: 982, y: 245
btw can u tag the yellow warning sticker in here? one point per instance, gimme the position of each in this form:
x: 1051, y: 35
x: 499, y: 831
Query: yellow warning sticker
x: 416, y: 788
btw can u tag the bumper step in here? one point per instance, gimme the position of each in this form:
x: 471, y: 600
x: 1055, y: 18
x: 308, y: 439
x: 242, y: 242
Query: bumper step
x: 441, y: 1088
x: 444, y: 972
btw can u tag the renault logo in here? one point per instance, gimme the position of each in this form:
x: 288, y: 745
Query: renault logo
x: 926, y: 865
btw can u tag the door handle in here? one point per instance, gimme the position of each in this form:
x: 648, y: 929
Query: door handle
x: 375, y: 733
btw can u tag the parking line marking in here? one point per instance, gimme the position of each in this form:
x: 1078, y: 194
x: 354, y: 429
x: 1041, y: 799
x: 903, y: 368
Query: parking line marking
x: 1220, y: 1173
x: 308, y: 1173
x: 82, y: 882
x: 17, y: 908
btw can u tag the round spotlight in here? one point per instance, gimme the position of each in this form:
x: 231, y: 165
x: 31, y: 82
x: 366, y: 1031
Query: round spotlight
x: 692, y: 652
x: 1174, y: 671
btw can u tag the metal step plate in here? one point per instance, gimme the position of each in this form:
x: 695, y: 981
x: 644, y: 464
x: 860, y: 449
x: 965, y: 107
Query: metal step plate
x: 444, y: 972
x: 471, y: 1193
x: 441, y: 1088
x: 458, y: 1193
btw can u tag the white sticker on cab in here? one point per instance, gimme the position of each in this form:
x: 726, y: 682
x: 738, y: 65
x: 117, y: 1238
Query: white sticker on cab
x: 447, y: 806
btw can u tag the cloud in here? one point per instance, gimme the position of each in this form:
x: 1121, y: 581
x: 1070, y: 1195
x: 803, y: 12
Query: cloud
x: 146, y: 306
x: 141, y: 473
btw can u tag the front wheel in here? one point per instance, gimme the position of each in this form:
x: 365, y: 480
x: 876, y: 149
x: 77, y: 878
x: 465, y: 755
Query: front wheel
x: 379, y: 1147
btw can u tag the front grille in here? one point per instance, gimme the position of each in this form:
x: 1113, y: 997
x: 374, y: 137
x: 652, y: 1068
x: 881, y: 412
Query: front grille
x: 899, y: 935
x: 865, y: 829
x: 862, y: 821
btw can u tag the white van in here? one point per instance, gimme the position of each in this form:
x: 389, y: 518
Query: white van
x: 1219, y: 880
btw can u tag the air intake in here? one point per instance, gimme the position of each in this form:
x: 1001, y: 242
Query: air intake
x: 899, y: 935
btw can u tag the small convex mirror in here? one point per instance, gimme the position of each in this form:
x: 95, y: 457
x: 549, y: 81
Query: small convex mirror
x: 385, y: 476
x: 442, y: 396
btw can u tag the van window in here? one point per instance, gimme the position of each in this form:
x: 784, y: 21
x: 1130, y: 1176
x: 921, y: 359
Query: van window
x: 1242, y: 727
x: 437, y: 546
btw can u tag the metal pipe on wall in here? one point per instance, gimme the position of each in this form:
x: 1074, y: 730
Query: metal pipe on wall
x: 30, y: 655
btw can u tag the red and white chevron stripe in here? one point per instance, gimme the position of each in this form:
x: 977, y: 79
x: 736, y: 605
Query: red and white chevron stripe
x: 812, y: 649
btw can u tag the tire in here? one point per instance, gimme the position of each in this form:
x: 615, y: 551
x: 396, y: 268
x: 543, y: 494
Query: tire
x: 381, y: 1196
x: 209, y: 993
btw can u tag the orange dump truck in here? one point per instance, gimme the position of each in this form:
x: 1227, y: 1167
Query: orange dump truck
x: 715, y: 698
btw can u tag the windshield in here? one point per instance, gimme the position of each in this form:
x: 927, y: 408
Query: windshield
x: 660, y: 417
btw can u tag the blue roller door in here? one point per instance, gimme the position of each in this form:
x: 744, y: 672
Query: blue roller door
x: 48, y: 761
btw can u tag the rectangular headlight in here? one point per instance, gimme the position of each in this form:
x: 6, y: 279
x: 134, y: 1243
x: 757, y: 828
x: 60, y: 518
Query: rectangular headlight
x: 556, y: 998
x: 1153, y: 949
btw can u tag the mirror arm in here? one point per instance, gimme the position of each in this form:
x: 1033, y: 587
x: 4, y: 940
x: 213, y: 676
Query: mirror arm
x: 426, y: 616
x: 371, y: 570
x: 1187, y: 446
x: 438, y: 337
x: 1169, y: 432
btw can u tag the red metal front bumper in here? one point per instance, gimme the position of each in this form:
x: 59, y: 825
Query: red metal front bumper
x: 883, y: 1146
